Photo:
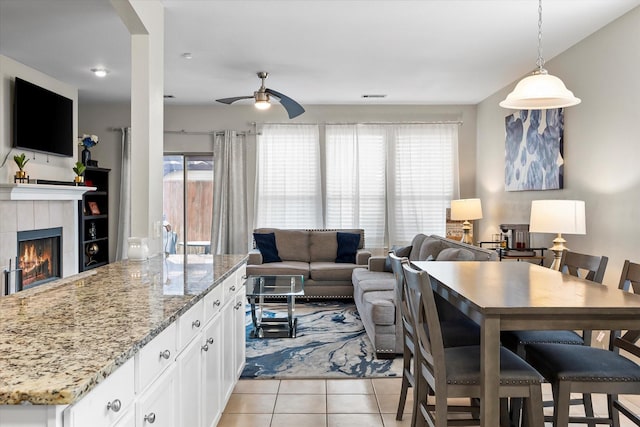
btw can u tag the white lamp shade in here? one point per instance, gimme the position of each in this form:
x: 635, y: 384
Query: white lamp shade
x: 557, y: 216
x: 540, y: 91
x: 466, y: 209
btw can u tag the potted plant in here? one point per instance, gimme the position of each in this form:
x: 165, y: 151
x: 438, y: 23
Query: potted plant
x: 21, y: 160
x: 79, y: 169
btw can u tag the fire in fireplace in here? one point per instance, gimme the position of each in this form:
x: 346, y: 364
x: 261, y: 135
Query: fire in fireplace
x: 39, y: 256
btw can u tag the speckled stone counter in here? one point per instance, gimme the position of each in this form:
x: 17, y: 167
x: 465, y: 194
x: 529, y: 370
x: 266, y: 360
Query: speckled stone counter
x: 58, y: 340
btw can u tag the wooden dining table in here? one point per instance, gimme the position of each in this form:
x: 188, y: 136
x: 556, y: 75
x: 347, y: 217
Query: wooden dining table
x: 510, y: 295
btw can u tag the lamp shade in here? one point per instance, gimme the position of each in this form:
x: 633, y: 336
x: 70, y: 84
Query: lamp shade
x: 466, y: 209
x: 557, y: 216
x: 540, y: 91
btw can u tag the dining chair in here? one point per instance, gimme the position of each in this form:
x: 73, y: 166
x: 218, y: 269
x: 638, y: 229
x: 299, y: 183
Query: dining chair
x: 587, y: 370
x: 589, y: 267
x: 456, y: 331
x: 454, y: 372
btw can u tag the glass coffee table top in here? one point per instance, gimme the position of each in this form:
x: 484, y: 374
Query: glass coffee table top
x: 284, y: 286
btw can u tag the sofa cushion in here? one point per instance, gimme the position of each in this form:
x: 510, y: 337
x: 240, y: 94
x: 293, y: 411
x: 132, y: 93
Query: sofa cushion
x: 416, y: 243
x: 330, y: 271
x: 431, y: 247
x: 347, y: 247
x: 455, y: 254
x: 323, y: 246
x: 266, y: 242
x: 279, y: 268
x: 381, y: 307
x: 293, y: 245
x: 399, y: 251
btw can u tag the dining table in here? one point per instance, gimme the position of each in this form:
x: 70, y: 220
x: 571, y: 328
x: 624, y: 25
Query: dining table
x: 510, y: 295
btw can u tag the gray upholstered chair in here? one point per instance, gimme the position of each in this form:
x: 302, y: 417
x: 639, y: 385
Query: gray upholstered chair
x: 584, y: 369
x: 455, y: 371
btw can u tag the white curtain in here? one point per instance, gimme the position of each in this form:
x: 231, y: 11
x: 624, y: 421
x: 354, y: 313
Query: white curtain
x: 229, y: 234
x: 288, y: 190
x: 124, y: 212
x: 391, y: 180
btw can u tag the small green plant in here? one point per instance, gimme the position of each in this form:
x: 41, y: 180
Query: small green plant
x: 79, y: 168
x: 20, y: 160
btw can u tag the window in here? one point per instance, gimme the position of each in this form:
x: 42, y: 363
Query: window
x: 288, y: 177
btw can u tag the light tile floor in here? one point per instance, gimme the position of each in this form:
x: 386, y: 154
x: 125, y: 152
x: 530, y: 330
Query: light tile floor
x: 335, y: 403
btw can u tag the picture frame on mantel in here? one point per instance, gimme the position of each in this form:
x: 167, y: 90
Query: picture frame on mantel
x: 534, y: 150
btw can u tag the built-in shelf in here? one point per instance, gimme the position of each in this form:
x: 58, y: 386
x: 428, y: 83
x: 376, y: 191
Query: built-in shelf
x: 42, y: 192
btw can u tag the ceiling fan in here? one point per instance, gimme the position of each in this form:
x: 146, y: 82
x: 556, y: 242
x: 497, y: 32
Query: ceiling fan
x: 263, y: 95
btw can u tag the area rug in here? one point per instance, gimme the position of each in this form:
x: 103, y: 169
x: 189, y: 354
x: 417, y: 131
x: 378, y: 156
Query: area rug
x: 331, y: 343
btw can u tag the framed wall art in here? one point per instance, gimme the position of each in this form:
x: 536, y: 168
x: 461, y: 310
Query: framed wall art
x: 534, y: 150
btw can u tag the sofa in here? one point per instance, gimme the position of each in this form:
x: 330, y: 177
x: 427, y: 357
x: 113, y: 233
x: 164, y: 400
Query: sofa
x: 374, y: 290
x: 320, y: 255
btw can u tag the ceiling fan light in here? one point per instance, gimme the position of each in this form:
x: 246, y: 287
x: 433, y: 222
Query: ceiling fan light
x: 540, y: 91
x: 262, y: 105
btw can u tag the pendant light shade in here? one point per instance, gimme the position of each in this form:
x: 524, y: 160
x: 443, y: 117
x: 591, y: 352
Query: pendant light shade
x: 540, y: 90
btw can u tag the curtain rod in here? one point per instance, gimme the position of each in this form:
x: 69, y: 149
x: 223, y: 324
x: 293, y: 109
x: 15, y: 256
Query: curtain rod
x: 212, y: 132
x: 435, y: 122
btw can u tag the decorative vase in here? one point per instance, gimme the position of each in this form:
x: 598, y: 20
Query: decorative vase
x: 86, y: 156
x: 21, y: 174
x: 138, y: 249
x: 79, y: 179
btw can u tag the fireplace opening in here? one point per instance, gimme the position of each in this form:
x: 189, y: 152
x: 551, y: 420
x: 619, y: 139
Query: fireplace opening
x: 39, y: 256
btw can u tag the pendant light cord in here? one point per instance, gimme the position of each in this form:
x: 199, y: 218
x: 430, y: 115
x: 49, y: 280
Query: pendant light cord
x: 540, y: 61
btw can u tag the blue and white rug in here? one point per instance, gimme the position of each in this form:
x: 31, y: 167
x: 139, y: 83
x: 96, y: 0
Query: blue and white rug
x: 331, y: 343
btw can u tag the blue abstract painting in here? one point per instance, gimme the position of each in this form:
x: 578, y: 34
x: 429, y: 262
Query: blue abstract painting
x: 534, y: 150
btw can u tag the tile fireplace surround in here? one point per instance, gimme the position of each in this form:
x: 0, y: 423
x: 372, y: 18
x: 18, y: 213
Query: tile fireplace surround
x: 31, y: 207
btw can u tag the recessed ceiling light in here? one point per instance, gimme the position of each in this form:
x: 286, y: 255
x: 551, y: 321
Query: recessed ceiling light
x: 100, y: 72
x: 374, y: 96
x: 187, y: 55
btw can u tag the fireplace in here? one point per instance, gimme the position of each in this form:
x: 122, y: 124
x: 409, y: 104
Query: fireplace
x: 39, y: 256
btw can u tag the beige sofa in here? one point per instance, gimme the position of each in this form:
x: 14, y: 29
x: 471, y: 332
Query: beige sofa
x: 374, y: 288
x: 312, y: 254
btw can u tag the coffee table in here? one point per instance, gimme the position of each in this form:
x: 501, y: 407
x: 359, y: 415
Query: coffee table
x: 261, y: 287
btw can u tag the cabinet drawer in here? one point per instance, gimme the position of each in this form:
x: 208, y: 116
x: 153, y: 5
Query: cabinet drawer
x: 154, y: 357
x: 108, y: 401
x: 229, y: 288
x: 190, y: 324
x: 212, y: 303
x: 241, y: 275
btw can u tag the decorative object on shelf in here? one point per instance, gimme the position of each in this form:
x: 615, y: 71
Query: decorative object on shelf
x: 79, y: 169
x: 93, y: 208
x: 465, y: 210
x: 540, y: 90
x: 93, y: 233
x: 88, y: 141
x: 534, y: 150
x: 557, y: 216
x: 21, y: 175
x: 92, y: 250
x: 138, y: 249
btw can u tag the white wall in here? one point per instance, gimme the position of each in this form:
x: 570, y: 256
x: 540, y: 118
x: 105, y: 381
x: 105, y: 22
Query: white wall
x: 601, y: 147
x: 40, y: 166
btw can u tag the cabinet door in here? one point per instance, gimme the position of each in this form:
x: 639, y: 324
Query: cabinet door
x: 212, y: 358
x: 240, y: 332
x: 228, y: 349
x: 189, y: 379
x: 157, y: 405
x: 127, y: 420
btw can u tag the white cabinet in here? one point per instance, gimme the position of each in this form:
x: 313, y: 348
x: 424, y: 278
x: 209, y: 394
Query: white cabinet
x: 155, y: 357
x: 127, y: 420
x: 233, y: 332
x: 156, y: 406
x: 212, y: 373
x: 189, y: 389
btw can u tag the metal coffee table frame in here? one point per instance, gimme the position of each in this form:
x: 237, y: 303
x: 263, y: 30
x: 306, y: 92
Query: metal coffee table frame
x: 277, y: 286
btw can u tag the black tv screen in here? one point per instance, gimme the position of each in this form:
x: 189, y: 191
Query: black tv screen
x: 43, y: 120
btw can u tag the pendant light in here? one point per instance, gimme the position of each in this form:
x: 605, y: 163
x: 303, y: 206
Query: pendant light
x: 540, y: 90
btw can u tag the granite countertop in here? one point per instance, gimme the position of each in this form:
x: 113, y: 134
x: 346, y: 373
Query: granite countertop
x: 60, y: 339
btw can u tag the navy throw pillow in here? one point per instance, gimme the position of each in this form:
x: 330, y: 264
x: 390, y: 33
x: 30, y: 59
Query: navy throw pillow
x: 266, y: 243
x: 347, y: 247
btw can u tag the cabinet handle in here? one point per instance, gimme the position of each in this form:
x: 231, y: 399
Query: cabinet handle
x: 210, y: 340
x: 115, y: 405
x: 165, y: 354
x: 195, y: 324
x: 238, y: 305
x: 205, y: 347
x: 232, y: 288
x: 217, y: 303
x: 151, y: 418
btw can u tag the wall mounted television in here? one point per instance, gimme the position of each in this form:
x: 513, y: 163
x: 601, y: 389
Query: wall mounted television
x: 42, y: 120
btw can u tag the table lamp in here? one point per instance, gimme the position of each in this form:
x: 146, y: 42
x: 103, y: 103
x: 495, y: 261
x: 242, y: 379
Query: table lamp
x: 465, y: 210
x: 557, y: 216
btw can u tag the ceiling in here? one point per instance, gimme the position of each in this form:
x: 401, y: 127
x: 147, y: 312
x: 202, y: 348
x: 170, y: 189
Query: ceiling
x: 317, y: 51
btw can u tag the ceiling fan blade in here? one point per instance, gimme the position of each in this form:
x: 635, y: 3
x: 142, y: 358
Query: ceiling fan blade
x: 232, y: 100
x: 293, y: 108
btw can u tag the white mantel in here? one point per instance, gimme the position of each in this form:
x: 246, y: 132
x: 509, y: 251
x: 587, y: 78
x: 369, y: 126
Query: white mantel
x: 42, y: 192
